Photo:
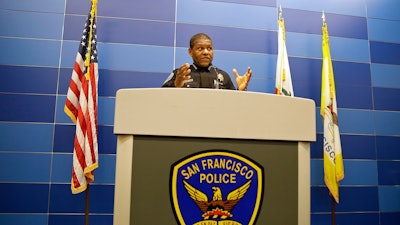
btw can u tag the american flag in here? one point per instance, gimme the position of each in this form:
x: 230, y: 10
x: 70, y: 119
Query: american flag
x: 81, y: 107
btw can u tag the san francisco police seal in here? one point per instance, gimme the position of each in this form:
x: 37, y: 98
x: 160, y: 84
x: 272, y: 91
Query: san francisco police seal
x: 216, y: 187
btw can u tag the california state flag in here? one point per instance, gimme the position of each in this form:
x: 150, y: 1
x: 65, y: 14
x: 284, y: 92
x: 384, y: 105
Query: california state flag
x: 333, y: 161
x: 283, y: 82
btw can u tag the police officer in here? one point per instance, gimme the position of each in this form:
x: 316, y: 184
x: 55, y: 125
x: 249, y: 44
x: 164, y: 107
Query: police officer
x: 202, y: 74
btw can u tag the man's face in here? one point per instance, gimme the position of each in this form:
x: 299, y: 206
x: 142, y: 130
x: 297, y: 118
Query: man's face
x: 202, y: 52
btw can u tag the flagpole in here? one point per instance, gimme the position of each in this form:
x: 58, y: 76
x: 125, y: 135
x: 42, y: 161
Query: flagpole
x: 93, y: 12
x: 87, y: 205
x: 333, y: 214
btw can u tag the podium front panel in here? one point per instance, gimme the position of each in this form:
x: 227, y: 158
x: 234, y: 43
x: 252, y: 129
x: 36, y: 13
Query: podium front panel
x: 151, y: 167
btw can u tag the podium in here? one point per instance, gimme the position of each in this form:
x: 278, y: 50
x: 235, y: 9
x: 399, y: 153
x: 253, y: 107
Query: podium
x: 161, y: 132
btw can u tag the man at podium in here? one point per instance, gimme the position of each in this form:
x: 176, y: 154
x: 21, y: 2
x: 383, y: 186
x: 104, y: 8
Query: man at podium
x: 202, y: 73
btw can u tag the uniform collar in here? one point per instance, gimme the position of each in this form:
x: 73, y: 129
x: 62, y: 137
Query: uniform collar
x: 202, y: 68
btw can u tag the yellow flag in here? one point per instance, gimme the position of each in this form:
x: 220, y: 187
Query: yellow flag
x: 333, y: 160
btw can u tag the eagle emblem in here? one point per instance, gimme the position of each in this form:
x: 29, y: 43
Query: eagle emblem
x: 217, y: 207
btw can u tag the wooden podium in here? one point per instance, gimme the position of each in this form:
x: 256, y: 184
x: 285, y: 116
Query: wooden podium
x: 156, y: 127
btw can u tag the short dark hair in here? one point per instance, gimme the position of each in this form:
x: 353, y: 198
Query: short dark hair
x: 198, y: 36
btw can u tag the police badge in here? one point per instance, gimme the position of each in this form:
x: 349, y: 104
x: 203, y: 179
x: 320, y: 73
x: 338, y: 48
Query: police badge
x: 216, y: 187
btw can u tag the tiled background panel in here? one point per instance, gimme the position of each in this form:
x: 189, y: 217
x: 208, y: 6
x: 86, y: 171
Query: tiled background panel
x: 315, y: 147
x: 385, y: 97
x: 24, y: 79
x: 352, y: 121
x: 305, y: 69
x: 12, y: 22
x: 62, y: 201
x: 64, y: 139
x: 262, y: 85
x: 357, y: 172
x: 23, y: 198
x: 25, y: 167
x: 62, y: 167
x: 366, y: 218
x: 385, y: 53
x: 349, y: 49
x: 354, y: 7
x: 384, y: 75
x: 120, y: 30
x: 141, y: 9
x: 339, y: 47
x: 37, y: 137
x: 144, y: 32
x: 26, y: 218
x: 384, y: 30
x: 357, y: 97
x: 27, y: 108
x: 250, y: 2
x: 350, y: 73
x: 390, y: 218
x: 110, y: 81
x: 387, y: 123
x: 351, y: 199
x: 389, y: 198
x: 383, y: 9
x: 295, y: 41
x: 389, y: 172
x: 348, y: 96
x: 304, y: 89
x: 124, y: 57
x: 353, y: 147
x: 56, y: 6
x: 136, y: 57
x: 388, y: 147
x: 55, y: 219
x: 358, y: 146
x: 309, y: 22
x: 29, y: 52
x: 106, y: 107
x: 229, y: 38
x: 226, y: 14
x: 360, y: 172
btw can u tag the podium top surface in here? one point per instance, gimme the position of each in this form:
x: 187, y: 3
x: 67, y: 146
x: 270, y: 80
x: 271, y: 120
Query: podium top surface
x: 195, y: 112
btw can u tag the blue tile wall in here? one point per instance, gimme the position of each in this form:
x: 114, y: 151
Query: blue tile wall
x: 390, y: 218
x: 387, y: 147
x: 385, y: 53
x: 384, y: 75
x: 25, y: 167
x: 27, y: 108
x: 32, y: 23
x: 55, y: 219
x: 140, y: 42
x: 24, y: 197
x: 24, y: 79
x: 24, y: 218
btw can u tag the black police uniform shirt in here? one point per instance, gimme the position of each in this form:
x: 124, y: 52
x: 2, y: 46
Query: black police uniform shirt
x: 203, y: 77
